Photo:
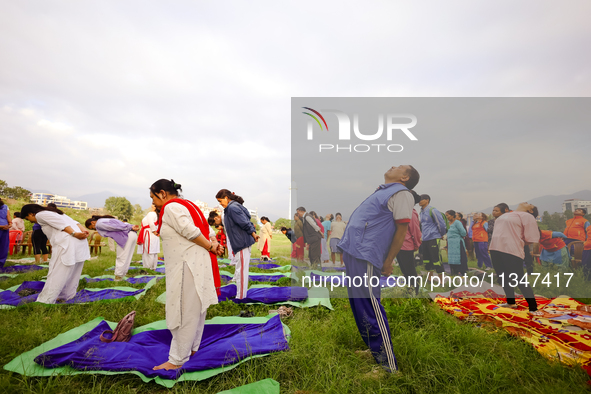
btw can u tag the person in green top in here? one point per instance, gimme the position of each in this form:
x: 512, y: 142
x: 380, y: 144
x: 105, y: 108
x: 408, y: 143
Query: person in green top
x: 456, y: 248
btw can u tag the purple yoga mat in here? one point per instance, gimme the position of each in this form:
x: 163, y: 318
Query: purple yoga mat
x: 265, y: 278
x: 265, y: 266
x: 272, y: 295
x: 20, y: 268
x: 12, y: 298
x: 222, y: 344
x: 266, y: 295
x: 324, y: 269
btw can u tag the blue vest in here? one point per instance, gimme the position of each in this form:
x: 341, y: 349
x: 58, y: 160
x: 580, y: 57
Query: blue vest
x: 370, y: 229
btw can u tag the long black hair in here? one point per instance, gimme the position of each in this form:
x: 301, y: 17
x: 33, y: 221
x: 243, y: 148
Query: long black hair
x: 36, y: 208
x: 94, y: 218
x: 231, y: 196
x: 168, y: 185
x: 211, y: 218
x: 503, y: 207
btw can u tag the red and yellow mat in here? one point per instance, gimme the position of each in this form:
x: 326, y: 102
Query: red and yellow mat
x: 562, y: 333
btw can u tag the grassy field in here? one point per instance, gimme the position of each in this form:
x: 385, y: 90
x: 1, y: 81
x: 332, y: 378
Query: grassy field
x: 436, y: 352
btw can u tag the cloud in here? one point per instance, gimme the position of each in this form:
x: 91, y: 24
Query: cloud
x: 112, y: 96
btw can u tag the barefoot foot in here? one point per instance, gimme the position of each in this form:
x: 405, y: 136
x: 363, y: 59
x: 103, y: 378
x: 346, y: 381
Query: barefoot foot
x: 193, y: 353
x: 167, y: 366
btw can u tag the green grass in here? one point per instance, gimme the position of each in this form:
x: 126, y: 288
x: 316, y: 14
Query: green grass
x: 436, y: 352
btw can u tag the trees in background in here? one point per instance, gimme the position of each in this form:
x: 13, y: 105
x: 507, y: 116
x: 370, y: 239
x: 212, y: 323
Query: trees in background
x: 120, y: 207
x: 282, y: 222
x: 17, y: 192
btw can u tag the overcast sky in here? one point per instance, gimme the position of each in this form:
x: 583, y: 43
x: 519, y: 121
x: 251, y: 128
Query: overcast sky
x: 114, y: 95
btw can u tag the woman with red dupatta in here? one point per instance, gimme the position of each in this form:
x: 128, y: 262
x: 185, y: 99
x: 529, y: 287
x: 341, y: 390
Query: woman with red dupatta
x: 191, y: 270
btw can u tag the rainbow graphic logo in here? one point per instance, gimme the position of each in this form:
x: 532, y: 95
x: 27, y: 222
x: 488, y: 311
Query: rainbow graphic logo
x: 315, y: 118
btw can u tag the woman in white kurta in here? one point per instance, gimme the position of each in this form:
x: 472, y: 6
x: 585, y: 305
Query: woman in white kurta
x: 190, y: 288
x: 150, y: 247
x: 265, y: 235
x: 69, y: 251
x: 124, y: 234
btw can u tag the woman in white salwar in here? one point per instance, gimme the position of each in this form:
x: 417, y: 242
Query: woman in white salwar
x: 148, y: 242
x: 190, y: 287
x: 124, y: 234
x: 69, y: 251
x: 266, y: 233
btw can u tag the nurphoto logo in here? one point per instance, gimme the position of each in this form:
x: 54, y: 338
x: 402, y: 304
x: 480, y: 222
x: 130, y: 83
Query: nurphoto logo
x: 394, y: 124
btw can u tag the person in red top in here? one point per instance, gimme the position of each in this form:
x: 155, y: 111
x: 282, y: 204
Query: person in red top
x: 553, y: 249
x: 221, y: 237
x: 480, y: 238
x: 412, y: 242
x: 576, y: 227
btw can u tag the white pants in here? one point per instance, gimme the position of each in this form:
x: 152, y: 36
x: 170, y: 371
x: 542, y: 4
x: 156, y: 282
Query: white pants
x: 62, y: 281
x: 150, y: 261
x: 242, y: 262
x: 111, y: 244
x: 324, y: 251
x: 187, y: 337
x: 125, y: 254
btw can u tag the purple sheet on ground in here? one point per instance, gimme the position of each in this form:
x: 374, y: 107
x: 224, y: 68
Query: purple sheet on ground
x: 265, y: 278
x: 271, y: 260
x: 265, y: 266
x: 272, y: 295
x: 222, y: 344
x: 161, y: 270
x: 266, y: 295
x: 12, y: 298
x: 20, y: 268
x: 339, y: 281
x: 133, y: 281
x: 227, y: 292
x: 225, y: 278
x: 324, y: 269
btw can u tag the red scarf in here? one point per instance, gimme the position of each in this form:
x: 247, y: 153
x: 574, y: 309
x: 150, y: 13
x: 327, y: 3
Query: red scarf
x: 201, y: 223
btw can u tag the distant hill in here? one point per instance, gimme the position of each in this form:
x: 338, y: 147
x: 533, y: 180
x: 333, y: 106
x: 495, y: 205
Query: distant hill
x: 550, y: 203
x: 95, y: 200
x: 38, y: 191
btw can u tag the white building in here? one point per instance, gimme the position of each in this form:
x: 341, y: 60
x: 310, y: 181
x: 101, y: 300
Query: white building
x: 575, y: 203
x: 59, y: 201
x: 206, y: 209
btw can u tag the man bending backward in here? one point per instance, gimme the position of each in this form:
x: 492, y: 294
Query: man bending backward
x: 373, y: 237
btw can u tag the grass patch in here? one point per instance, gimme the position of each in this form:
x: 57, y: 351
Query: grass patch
x: 436, y: 352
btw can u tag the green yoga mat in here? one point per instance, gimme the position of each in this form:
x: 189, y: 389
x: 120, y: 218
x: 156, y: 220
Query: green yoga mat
x: 265, y: 386
x: 316, y: 296
x: 25, y: 364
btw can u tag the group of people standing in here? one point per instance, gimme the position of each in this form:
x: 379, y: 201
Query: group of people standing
x: 321, y: 237
x: 190, y: 249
